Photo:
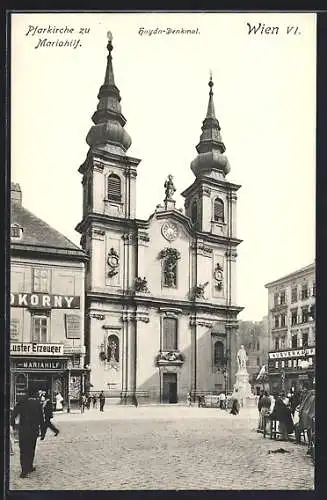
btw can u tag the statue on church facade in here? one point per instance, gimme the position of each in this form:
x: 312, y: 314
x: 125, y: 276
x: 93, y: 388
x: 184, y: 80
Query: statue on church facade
x: 169, y: 188
x: 241, y: 358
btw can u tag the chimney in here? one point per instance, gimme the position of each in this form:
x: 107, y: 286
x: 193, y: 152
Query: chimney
x: 16, y: 194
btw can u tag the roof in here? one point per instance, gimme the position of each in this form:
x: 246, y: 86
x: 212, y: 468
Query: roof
x: 288, y: 277
x: 38, y: 235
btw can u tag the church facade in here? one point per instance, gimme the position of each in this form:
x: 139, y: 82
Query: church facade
x: 160, y: 293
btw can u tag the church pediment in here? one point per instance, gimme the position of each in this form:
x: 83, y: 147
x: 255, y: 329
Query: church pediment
x: 174, y: 225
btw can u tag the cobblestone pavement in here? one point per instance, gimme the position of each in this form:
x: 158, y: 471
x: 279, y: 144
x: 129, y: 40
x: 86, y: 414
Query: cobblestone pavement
x: 168, y: 448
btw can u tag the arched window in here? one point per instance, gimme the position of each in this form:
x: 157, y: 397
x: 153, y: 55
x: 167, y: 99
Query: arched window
x: 218, y: 353
x: 194, y: 212
x: 114, y: 187
x: 113, y: 348
x: 169, y: 340
x: 218, y: 210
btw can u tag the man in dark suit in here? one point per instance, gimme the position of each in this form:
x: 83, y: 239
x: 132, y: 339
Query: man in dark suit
x: 31, y: 424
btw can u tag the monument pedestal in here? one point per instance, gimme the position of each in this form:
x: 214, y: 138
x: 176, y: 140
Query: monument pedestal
x: 242, y: 389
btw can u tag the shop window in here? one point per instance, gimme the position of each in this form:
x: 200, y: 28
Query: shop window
x: 40, y: 328
x: 76, y: 361
x: 276, y: 364
x: 40, y: 280
x: 283, y: 364
x: 294, y: 294
x: 218, y: 210
x: 289, y: 363
x: 169, y: 340
x: 294, y: 363
x: 114, y: 187
x: 218, y: 352
x: 14, y: 330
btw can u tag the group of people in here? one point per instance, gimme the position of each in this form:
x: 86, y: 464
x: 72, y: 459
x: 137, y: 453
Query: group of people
x: 281, y: 408
x: 86, y: 400
x: 34, y: 412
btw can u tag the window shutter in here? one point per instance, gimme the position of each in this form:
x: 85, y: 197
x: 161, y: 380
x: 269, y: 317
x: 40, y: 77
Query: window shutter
x: 218, y: 210
x: 114, y: 188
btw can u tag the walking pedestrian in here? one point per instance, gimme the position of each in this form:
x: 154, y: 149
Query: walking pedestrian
x: 31, y: 424
x: 282, y: 414
x: 135, y: 401
x: 94, y: 400
x: 88, y: 401
x: 235, y: 407
x: 82, y: 402
x: 59, y: 400
x: 102, y: 400
x: 48, y: 415
x: 222, y: 400
x: 264, y: 405
x: 189, y: 399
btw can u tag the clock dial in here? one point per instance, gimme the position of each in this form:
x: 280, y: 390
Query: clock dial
x: 169, y: 231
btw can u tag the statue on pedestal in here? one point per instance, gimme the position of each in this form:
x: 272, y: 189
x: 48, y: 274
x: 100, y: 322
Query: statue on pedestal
x: 241, y: 358
x: 169, y: 188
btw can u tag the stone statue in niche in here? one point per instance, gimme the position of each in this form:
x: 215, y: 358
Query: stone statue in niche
x: 141, y: 285
x: 169, y: 188
x: 170, y: 257
x: 113, y: 352
x: 219, y: 276
x: 113, y: 262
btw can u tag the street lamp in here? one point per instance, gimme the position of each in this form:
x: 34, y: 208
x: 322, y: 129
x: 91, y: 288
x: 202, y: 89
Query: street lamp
x: 69, y: 367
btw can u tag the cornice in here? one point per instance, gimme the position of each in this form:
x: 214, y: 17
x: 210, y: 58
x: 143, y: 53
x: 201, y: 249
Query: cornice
x: 206, y: 181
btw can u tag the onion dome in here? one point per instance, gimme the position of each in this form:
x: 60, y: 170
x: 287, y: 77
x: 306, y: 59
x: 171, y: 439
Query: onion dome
x: 108, y: 129
x: 211, y: 147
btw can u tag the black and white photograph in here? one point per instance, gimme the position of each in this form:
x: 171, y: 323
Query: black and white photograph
x: 162, y: 251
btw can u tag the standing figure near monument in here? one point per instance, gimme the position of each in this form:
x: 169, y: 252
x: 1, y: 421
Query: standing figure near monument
x: 241, y: 358
x: 169, y: 188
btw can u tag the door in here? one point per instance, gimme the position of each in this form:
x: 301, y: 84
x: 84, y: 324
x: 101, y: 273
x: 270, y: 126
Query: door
x: 169, y: 388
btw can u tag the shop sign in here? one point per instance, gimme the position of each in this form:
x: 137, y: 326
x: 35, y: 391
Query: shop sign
x: 39, y: 364
x: 297, y: 353
x: 73, y: 326
x: 44, y: 300
x: 21, y: 349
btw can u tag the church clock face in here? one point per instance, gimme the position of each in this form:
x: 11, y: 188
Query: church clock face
x: 169, y: 231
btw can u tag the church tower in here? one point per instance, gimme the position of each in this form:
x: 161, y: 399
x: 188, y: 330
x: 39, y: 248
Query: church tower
x: 107, y: 229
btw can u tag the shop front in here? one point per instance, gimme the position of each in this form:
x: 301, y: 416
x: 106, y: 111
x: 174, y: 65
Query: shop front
x: 54, y: 372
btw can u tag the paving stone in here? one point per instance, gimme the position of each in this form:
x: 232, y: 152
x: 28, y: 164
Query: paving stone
x: 169, y: 448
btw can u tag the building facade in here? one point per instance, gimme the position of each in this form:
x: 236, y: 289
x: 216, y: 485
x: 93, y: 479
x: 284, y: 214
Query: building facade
x: 255, y: 338
x: 47, y: 274
x: 291, y: 308
x: 161, y: 305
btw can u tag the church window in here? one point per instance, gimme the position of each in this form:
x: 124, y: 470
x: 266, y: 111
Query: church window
x: 114, y: 187
x: 89, y: 192
x: 218, y: 210
x: 194, y: 212
x: 169, y: 334
x: 218, y: 354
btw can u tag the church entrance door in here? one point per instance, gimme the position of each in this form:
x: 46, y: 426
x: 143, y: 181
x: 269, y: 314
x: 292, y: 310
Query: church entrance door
x: 169, y: 388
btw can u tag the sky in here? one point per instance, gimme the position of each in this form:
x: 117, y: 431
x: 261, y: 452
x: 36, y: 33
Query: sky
x: 265, y: 101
